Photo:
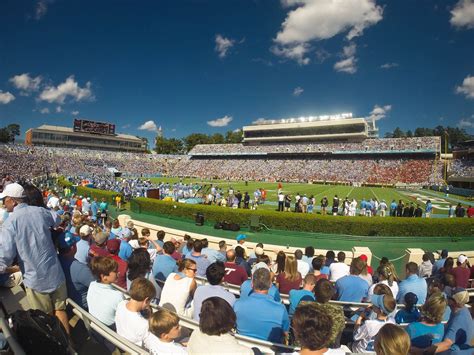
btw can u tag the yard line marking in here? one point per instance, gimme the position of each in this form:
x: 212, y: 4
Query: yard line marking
x: 374, y: 193
x: 349, y: 194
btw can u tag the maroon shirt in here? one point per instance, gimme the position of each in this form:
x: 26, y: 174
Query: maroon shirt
x: 122, y: 271
x: 285, y: 286
x: 177, y: 256
x: 235, y: 274
x: 95, y: 250
x: 462, y: 276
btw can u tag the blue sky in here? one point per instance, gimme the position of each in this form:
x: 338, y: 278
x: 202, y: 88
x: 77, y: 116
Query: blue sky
x: 212, y: 66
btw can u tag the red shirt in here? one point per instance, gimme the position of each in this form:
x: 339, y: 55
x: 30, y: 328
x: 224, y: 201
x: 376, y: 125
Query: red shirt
x: 285, y: 285
x: 462, y: 275
x: 122, y: 271
x: 235, y: 274
x: 177, y: 256
x: 321, y: 276
x: 470, y: 212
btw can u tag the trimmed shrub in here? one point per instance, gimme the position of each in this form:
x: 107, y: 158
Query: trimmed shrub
x: 89, y: 192
x: 63, y: 182
x: 363, y: 226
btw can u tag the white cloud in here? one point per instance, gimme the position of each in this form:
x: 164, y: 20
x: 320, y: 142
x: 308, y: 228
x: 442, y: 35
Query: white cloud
x: 259, y: 121
x: 26, y: 83
x: 463, y: 14
x: 379, y: 112
x: 467, y: 87
x: 220, y: 122
x: 298, y: 91
x: 44, y: 110
x: 223, y: 45
x: 296, y: 52
x: 148, y: 126
x: 322, y: 55
x: 466, y: 123
x: 42, y: 8
x: 315, y: 20
x: 75, y: 113
x: 70, y: 87
x: 6, y: 97
x: 349, y: 62
x: 59, y: 109
x: 389, y: 65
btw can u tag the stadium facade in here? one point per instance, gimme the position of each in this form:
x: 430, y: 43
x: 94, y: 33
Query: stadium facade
x: 85, y: 135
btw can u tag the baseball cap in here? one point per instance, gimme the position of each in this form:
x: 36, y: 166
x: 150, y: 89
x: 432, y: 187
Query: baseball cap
x: 67, y: 240
x: 241, y: 237
x: 85, y: 230
x: 100, y: 237
x: 113, y: 245
x: 460, y: 295
x: 260, y: 265
x: 14, y: 190
x: 462, y: 258
x: 259, y: 251
x: 363, y: 257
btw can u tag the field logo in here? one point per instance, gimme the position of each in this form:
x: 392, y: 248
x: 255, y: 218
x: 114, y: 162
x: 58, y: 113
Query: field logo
x: 437, y: 202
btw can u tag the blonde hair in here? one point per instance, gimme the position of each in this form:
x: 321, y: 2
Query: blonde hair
x: 162, y: 321
x: 392, y: 340
x: 291, y: 268
x: 433, y: 309
x: 184, y: 264
x: 387, y: 273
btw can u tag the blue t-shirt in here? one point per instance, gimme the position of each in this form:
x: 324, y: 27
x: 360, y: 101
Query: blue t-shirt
x: 163, y: 266
x: 296, y: 296
x: 259, y: 316
x: 325, y: 270
x: 414, y: 284
x: 406, y: 316
x: 423, y: 336
x: 460, y: 331
x: 246, y: 290
x: 351, y: 288
x: 81, y: 277
x: 201, y: 263
x: 125, y: 250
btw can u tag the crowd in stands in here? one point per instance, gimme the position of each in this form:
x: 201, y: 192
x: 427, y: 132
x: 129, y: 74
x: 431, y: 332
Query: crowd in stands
x: 382, y: 171
x: 67, y: 253
x: 368, y: 145
x: 461, y: 168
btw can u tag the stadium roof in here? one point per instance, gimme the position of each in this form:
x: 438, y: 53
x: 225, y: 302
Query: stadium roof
x: 70, y: 130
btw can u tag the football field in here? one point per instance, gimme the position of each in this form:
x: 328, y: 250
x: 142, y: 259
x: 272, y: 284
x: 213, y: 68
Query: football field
x: 440, y: 202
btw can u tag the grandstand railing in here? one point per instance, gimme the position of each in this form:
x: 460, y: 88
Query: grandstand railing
x: 14, y: 346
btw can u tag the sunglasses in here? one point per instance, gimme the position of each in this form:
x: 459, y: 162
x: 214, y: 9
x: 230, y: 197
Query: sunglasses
x: 194, y: 270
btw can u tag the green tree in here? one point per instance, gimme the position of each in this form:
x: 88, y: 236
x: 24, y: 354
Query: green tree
x: 398, y: 133
x: 194, y: 139
x: 168, y: 146
x: 217, y: 138
x: 233, y: 136
x: 409, y: 134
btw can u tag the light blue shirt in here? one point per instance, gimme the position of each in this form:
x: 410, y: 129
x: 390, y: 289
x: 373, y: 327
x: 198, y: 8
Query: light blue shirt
x: 102, y: 300
x: 163, y: 266
x: 26, y: 234
x: 414, y: 284
x: 201, y: 263
x: 213, y: 255
x: 351, y: 288
x: 296, y: 296
x: 246, y: 290
x: 204, y: 292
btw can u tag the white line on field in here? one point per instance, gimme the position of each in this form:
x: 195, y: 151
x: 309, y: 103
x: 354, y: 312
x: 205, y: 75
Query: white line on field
x: 374, y: 193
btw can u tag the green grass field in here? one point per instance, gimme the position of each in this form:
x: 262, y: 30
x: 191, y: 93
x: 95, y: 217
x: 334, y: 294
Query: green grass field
x: 319, y: 191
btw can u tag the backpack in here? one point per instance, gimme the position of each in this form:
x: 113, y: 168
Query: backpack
x: 37, y: 332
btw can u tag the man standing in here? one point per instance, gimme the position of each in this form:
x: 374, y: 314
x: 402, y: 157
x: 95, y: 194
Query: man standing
x: 26, y: 234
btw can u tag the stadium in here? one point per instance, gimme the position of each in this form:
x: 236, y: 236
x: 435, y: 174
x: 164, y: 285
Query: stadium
x: 303, y: 189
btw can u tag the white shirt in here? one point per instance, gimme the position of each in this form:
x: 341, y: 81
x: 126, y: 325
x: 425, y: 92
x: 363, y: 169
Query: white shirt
x: 394, y: 288
x: 338, y: 270
x: 176, y: 293
x: 158, y: 347
x: 365, y: 334
x: 303, y: 268
x: 53, y: 202
x: 131, y: 325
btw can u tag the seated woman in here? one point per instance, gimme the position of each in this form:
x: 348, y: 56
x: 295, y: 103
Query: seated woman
x: 429, y: 330
x: 179, y: 288
x: 290, y: 279
x: 392, y: 340
x: 214, y: 336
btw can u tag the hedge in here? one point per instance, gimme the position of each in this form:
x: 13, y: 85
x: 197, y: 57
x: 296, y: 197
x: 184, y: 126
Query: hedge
x: 361, y: 226
x: 89, y: 192
x: 63, y: 182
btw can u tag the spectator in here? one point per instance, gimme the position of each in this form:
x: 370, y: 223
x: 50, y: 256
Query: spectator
x: 429, y: 330
x: 215, y: 275
x: 308, y: 256
x: 125, y: 248
x: 201, y: 260
x: 330, y: 256
x: 410, y: 313
x: 462, y: 272
x: 211, y: 254
x: 385, y: 277
x: 241, y: 239
x: 113, y: 247
x: 459, y: 332
x: 413, y: 283
x: 83, y: 246
x: 165, y: 264
x: 235, y: 274
x: 129, y: 319
x: 160, y: 236
x: 305, y: 294
x: 365, y: 333
x: 338, y: 269
x: 26, y: 235
x: 279, y: 264
x: 290, y: 279
x: 139, y: 265
x: 164, y: 329
x: 240, y: 259
x: 392, y: 340
x: 268, y: 319
x: 352, y: 288
x: 217, y: 319
x: 312, y: 327
x: 102, y: 298
x: 426, y: 267
x: 317, y: 264
x: 303, y: 267
x: 179, y: 287
x: 440, y: 262
x: 98, y: 247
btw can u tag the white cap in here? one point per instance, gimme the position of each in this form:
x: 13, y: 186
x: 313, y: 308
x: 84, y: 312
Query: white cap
x: 259, y: 251
x: 462, y: 258
x: 13, y: 190
x: 85, y: 230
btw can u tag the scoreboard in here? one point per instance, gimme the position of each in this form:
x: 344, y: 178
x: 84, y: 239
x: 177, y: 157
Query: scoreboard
x: 94, y: 127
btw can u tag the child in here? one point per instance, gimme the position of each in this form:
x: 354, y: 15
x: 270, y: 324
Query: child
x: 102, y: 298
x: 164, y: 328
x: 410, y: 313
x: 364, y: 334
x: 129, y: 319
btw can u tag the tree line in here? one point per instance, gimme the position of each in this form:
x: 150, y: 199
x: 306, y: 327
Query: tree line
x: 9, y: 132
x: 454, y: 135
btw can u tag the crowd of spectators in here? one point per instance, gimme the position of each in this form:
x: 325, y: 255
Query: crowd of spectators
x: 461, y: 168
x: 73, y: 253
